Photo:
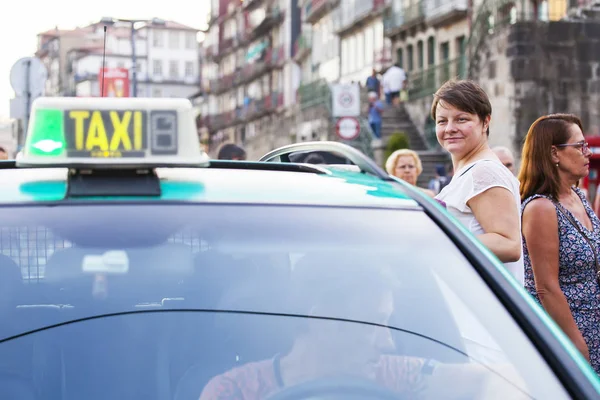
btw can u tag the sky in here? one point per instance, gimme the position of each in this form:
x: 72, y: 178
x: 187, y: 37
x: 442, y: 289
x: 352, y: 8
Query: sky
x: 27, y: 18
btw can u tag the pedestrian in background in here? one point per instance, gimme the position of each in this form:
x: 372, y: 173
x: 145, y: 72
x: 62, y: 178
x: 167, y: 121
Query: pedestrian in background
x: 561, y: 233
x: 506, y: 157
x: 394, y: 81
x: 406, y: 164
x: 441, y: 179
x: 230, y: 151
x: 373, y: 84
x: 482, y: 194
x: 375, y: 110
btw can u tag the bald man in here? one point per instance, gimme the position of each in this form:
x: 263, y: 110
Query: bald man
x: 506, y: 157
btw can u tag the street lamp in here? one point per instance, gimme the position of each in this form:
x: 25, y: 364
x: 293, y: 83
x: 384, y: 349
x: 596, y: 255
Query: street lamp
x: 154, y: 21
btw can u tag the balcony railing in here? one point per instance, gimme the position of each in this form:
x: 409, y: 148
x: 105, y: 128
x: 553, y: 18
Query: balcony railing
x: 425, y: 83
x: 273, y: 17
x: 314, y: 93
x: 315, y: 9
x: 254, y: 109
x: 397, y: 20
x: 250, y: 33
x: 209, y: 52
x: 302, y: 46
x: 226, y: 44
x: 351, y: 12
x: 442, y: 10
x: 247, y: 4
x: 274, y: 58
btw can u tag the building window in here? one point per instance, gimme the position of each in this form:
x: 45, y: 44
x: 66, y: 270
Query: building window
x: 157, y: 38
x: 189, y: 68
x: 461, y: 45
x: 445, y: 51
x: 431, y: 50
x: 420, y: 54
x: 174, y: 39
x: 157, y: 67
x: 156, y: 92
x: 410, y: 60
x: 121, y: 64
x: 190, y: 41
x: 360, y: 50
x: 400, y: 57
x: 174, y: 69
x: 369, y: 46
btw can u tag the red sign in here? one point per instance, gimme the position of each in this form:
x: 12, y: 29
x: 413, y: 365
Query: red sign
x: 116, y: 82
x: 347, y: 128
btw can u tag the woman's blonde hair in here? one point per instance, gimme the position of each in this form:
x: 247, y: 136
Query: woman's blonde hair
x: 390, y: 164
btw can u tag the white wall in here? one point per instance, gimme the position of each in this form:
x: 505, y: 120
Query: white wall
x: 326, y: 48
x: 359, y: 52
x: 175, y: 47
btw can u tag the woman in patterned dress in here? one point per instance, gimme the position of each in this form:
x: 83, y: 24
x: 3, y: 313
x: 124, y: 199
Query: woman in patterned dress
x: 561, y: 233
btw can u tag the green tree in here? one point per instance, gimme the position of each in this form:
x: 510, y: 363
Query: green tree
x: 397, y: 141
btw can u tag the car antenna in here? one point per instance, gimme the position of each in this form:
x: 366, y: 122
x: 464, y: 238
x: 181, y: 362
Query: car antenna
x: 103, y: 61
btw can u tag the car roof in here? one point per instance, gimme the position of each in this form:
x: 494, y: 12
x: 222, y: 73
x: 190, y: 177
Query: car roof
x: 312, y: 186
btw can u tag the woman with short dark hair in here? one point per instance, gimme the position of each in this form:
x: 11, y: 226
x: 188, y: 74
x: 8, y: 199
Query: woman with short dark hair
x: 483, y: 194
x: 561, y: 233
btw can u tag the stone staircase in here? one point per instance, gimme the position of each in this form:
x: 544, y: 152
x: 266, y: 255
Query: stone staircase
x: 398, y: 120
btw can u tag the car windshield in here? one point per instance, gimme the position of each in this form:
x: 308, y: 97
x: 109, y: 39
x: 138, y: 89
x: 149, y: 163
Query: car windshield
x: 115, y: 301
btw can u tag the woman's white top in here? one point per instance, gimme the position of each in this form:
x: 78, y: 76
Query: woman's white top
x: 472, y: 180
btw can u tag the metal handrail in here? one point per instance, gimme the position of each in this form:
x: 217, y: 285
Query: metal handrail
x: 356, y: 157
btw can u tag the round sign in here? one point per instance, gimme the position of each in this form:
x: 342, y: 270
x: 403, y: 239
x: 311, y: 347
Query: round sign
x: 347, y: 128
x: 346, y: 99
x: 30, y: 69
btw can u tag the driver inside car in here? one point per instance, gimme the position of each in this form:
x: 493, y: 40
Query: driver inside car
x: 349, y: 299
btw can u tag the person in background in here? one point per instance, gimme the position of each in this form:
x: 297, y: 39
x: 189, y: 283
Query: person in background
x: 3, y: 153
x: 373, y: 84
x: 506, y: 157
x: 366, y: 352
x: 406, y: 164
x: 440, y: 181
x: 394, y: 80
x: 483, y: 194
x: 375, y: 110
x: 561, y: 233
x: 230, y: 151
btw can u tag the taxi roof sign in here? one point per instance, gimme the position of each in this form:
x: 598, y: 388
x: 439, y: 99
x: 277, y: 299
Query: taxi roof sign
x: 112, y: 133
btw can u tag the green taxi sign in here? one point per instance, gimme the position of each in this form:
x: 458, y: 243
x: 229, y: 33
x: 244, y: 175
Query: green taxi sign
x: 111, y: 132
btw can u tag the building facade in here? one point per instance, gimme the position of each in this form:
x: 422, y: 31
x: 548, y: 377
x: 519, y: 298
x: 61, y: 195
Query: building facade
x: 364, y: 47
x: 166, y: 52
x: 249, y: 78
x: 53, y: 49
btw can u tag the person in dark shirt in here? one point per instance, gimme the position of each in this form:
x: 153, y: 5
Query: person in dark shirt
x: 231, y: 151
x: 373, y: 84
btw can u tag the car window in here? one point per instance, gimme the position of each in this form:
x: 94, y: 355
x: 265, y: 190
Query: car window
x: 267, y: 275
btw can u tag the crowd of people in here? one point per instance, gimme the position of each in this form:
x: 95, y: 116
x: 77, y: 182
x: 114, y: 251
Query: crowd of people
x: 539, y: 223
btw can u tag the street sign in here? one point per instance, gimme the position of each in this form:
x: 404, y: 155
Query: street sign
x: 28, y: 78
x: 346, y: 100
x: 29, y: 74
x: 347, y: 128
